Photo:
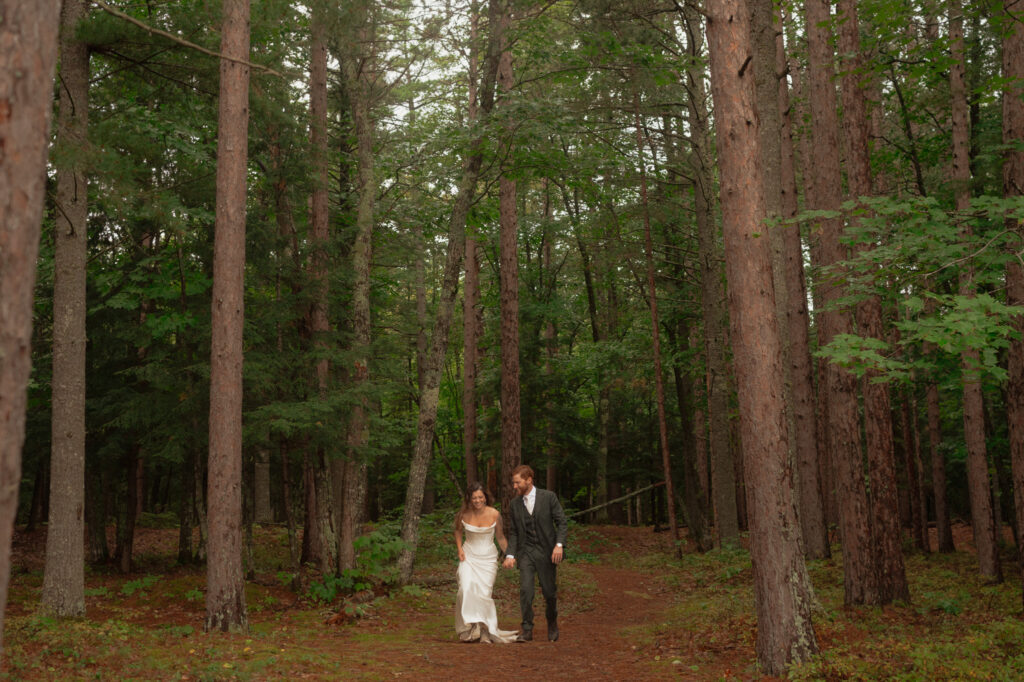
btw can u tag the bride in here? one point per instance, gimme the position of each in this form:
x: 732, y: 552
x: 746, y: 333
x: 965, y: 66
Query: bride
x: 476, y: 525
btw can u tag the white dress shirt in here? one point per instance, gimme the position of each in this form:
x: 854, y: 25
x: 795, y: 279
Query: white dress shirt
x: 530, y: 499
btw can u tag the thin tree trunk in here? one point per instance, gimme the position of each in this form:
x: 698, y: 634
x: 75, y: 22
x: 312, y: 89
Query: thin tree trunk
x: 782, y: 588
x: 511, y: 424
x: 225, y: 593
x: 797, y: 320
x: 430, y: 392
x: 695, y: 494
x: 64, y: 576
x: 652, y: 300
x: 911, y: 464
x: 319, y: 323
x: 126, y: 521
x: 294, y: 551
x: 881, y: 458
x: 938, y: 467
x: 1012, y: 25
x: 979, y: 489
x: 723, y: 476
x: 96, y: 513
x: 263, y: 511
x: 186, y: 519
x: 471, y: 313
x: 843, y: 428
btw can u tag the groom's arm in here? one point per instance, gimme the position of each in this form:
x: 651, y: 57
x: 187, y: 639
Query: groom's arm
x: 558, y: 518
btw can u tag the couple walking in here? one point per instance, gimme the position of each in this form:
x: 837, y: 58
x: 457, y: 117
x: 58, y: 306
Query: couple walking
x: 535, y: 544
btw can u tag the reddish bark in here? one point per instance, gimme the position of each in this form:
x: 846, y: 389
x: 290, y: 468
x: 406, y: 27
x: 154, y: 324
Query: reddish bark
x: 881, y: 455
x: 782, y: 588
x: 979, y: 488
x: 797, y: 319
x: 1012, y: 23
x: 843, y: 427
x: 225, y: 593
x: 28, y: 36
x: 511, y: 431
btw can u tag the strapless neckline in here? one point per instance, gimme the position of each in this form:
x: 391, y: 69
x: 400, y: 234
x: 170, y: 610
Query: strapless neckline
x: 470, y: 525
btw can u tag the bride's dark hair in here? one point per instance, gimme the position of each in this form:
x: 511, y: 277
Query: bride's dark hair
x: 466, y: 504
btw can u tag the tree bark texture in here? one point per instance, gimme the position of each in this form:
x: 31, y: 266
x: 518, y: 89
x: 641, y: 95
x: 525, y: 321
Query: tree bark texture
x: 471, y: 312
x: 319, y: 237
x: 511, y: 425
x: 1012, y: 24
x: 28, y: 53
x: 430, y: 391
x: 64, y: 576
x: 359, y: 81
x: 225, y: 586
x: 723, y: 477
x: 878, y: 429
x: 843, y: 428
x: 800, y: 367
x: 782, y: 587
x: 978, y: 486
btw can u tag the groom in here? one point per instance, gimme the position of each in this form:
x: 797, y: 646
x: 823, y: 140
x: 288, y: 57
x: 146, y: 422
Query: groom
x: 535, y: 540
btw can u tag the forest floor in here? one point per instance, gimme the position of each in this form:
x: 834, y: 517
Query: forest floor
x: 629, y: 611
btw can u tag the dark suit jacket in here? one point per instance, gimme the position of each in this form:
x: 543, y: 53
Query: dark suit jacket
x: 548, y: 518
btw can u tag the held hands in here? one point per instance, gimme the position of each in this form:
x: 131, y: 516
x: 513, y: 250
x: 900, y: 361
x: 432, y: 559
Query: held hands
x: 556, y: 555
x: 509, y: 562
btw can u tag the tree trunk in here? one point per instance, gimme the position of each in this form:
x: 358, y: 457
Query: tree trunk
x: 800, y: 367
x: 64, y: 576
x: 782, y: 588
x: 652, y: 300
x: 430, y: 392
x: 186, y: 518
x: 1013, y: 186
x: 96, y: 514
x: 225, y: 587
x: 471, y: 312
x: 843, y: 429
x: 358, y: 82
x: 319, y: 237
x: 912, y: 462
x: 29, y: 36
x: 881, y: 457
x: 979, y: 489
x: 723, y: 477
x: 128, y: 515
x: 263, y: 511
x: 511, y: 426
x: 695, y: 494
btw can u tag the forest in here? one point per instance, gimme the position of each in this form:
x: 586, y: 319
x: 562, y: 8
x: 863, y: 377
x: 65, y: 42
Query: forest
x: 741, y: 280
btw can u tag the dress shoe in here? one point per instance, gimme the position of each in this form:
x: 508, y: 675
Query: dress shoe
x: 525, y: 636
x: 552, y: 632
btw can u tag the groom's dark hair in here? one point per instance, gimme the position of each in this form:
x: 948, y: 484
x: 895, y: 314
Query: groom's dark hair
x: 523, y: 471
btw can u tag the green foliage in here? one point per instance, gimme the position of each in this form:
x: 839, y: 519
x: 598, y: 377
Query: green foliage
x: 376, y: 552
x: 139, y: 585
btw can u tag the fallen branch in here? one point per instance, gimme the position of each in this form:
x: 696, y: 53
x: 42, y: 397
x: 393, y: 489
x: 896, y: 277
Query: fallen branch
x: 616, y: 500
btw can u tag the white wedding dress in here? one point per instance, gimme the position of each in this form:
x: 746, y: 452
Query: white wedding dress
x: 476, y: 618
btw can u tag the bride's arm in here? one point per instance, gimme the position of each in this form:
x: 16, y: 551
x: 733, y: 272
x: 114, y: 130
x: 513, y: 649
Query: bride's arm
x: 458, y: 544
x: 500, y: 534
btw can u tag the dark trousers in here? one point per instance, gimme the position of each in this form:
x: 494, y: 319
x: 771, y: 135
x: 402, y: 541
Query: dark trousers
x: 533, y: 562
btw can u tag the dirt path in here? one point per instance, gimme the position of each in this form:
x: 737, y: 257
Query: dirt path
x: 594, y: 641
